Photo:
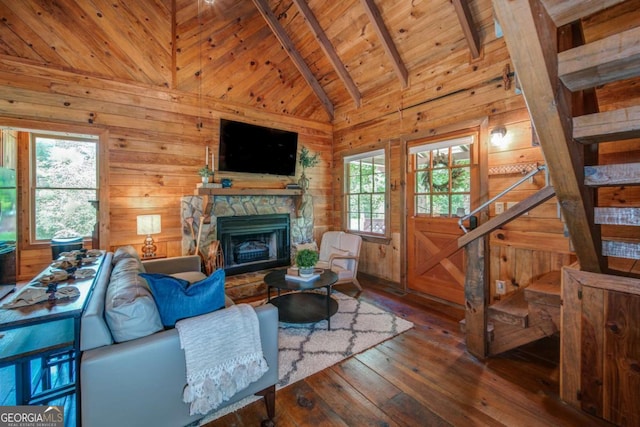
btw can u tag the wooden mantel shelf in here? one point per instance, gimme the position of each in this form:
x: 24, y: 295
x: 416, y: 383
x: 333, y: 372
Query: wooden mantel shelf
x: 247, y: 192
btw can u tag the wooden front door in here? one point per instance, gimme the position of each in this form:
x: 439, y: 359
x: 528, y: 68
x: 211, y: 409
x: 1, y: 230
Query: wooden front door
x: 435, y: 264
x: 440, y: 189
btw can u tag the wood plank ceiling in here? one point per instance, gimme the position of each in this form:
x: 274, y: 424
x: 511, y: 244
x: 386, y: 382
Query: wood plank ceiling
x: 313, y: 57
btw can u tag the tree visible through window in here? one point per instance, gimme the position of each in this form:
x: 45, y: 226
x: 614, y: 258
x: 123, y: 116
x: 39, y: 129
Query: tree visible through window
x: 365, y: 193
x: 64, y: 181
x: 443, y: 177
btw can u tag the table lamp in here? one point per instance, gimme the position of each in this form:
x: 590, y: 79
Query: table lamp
x: 148, y: 225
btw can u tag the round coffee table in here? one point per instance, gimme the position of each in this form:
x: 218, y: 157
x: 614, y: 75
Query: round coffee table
x: 301, y: 306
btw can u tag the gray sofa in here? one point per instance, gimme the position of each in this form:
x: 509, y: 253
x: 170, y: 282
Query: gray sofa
x: 139, y: 382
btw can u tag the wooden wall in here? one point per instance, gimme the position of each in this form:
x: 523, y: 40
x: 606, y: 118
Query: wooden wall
x: 152, y: 147
x: 475, y: 91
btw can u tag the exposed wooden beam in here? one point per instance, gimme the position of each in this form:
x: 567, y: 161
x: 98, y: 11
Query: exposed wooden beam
x: 565, y: 11
x: 476, y: 301
x: 293, y: 53
x: 466, y: 22
x: 612, y: 125
x: 387, y: 42
x: 328, y: 50
x: 531, y: 38
x: 613, y: 58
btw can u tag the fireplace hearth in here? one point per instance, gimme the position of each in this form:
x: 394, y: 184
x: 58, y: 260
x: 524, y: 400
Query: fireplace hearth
x: 254, y: 242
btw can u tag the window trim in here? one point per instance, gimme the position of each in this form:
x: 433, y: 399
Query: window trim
x: 31, y: 177
x: 370, y: 151
x: 445, y: 140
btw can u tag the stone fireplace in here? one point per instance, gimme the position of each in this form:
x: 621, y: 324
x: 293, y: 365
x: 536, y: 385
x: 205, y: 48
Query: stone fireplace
x: 204, y: 214
x: 254, y: 242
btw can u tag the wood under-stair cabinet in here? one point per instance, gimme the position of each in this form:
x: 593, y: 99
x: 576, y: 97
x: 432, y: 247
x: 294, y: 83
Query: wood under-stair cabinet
x: 600, y: 355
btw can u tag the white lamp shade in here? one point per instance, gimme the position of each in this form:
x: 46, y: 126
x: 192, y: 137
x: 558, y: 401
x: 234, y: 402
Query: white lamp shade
x: 149, y: 224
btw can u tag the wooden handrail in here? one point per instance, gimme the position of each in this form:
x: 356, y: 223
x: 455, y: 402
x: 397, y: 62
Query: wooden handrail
x: 510, y: 214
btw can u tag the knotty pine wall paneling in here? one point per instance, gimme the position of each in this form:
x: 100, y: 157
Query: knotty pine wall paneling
x: 154, y: 146
x: 459, y: 90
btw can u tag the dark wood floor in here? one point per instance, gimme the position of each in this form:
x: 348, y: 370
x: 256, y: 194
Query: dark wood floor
x: 424, y: 377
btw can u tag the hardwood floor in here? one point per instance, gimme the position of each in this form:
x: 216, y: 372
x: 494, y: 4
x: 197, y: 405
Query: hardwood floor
x: 424, y: 377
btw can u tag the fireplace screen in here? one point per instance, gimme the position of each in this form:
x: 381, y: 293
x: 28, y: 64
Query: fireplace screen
x: 254, y: 242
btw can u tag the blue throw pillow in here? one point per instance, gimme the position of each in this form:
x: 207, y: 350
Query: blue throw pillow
x: 177, y: 299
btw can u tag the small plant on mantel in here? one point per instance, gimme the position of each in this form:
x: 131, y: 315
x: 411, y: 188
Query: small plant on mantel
x: 306, y: 160
x: 205, y: 173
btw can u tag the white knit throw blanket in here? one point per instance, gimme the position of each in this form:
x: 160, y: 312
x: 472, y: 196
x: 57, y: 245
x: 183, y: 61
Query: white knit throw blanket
x: 223, y: 354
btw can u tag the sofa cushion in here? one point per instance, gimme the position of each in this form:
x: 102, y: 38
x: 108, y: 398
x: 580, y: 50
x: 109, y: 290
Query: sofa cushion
x: 178, y: 299
x: 190, y: 276
x: 130, y: 309
x: 127, y: 252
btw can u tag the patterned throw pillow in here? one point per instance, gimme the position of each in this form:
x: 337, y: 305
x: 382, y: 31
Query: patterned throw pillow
x: 177, y: 299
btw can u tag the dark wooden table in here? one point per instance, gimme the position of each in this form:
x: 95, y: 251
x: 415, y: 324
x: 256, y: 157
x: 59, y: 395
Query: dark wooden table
x: 300, y: 306
x: 44, y: 329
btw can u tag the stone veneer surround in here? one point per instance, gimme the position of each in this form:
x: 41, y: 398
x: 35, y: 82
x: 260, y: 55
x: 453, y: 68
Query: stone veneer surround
x: 194, y: 207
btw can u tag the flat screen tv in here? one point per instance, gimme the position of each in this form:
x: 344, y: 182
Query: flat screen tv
x: 256, y: 149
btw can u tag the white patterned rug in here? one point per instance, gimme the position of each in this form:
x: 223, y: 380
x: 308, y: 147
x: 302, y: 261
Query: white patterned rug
x: 309, y: 348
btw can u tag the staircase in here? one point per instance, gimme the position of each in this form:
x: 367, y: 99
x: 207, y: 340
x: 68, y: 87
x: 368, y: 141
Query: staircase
x: 561, y: 78
x: 559, y: 75
x: 524, y: 316
x: 527, y: 315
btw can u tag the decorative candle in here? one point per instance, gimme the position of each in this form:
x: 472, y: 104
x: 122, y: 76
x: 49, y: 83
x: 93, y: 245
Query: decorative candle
x: 206, y: 156
x: 213, y: 165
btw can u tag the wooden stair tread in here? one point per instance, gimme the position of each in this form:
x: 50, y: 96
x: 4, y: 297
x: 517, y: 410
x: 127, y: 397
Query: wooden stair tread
x: 565, y: 11
x: 545, y: 290
x: 610, y: 59
x: 513, y: 310
x: 617, y: 216
x: 621, y: 249
x: 612, y: 175
x: 606, y: 126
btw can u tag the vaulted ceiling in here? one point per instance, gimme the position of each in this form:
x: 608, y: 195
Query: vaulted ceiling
x: 314, y: 58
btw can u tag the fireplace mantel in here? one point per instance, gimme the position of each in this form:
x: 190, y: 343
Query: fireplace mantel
x: 199, y: 212
x: 202, y: 191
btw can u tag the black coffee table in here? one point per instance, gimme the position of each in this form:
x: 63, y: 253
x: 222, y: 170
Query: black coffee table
x: 301, y: 306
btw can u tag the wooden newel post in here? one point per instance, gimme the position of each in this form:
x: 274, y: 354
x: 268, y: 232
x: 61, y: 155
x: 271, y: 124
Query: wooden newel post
x: 476, y: 298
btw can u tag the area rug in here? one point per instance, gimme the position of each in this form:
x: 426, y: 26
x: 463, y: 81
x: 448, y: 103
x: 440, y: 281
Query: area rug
x: 309, y: 348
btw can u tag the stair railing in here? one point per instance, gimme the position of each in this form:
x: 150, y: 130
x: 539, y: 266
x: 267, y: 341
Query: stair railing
x: 502, y: 193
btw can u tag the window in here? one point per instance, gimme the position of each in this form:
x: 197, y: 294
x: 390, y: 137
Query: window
x: 366, y: 193
x: 64, y: 181
x: 442, y: 177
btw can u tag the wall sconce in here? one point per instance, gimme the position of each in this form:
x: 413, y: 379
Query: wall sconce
x: 498, y: 136
x: 148, y: 225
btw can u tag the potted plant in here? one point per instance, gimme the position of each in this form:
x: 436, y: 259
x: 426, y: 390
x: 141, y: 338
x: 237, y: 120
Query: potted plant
x: 306, y: 160
x: 205, y: 173
x: 306, y: 260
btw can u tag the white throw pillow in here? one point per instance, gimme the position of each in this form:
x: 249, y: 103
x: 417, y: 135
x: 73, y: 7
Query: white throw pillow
x: 342, y: 263
x: 130, y: 309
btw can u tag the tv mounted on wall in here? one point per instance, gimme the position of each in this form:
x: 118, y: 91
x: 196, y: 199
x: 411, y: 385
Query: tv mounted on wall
x: 256, y: 149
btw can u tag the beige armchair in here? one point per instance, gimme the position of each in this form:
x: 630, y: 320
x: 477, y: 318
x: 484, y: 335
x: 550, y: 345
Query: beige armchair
x: 340, y: 252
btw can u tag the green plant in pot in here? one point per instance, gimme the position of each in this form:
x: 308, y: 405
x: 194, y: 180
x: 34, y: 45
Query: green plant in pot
x: 306, y: 160
x: 306, y: 260
x: 205, y: 173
